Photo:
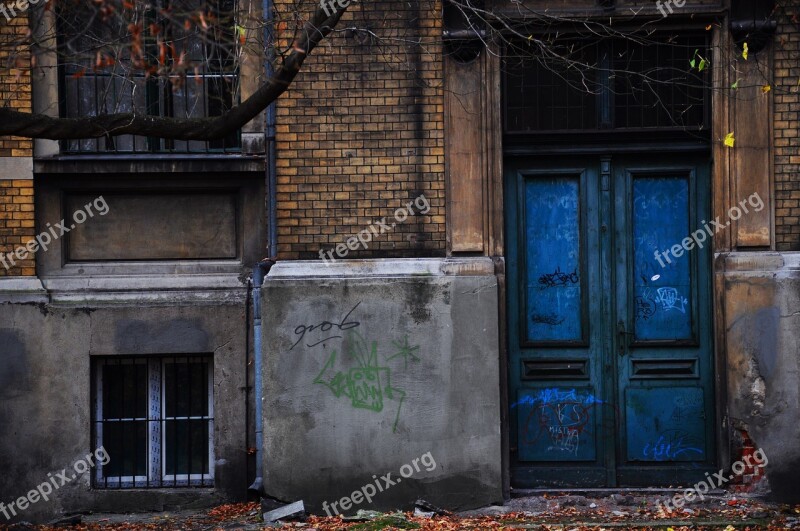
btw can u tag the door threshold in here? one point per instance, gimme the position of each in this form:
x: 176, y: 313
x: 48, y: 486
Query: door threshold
x: 522, y: 493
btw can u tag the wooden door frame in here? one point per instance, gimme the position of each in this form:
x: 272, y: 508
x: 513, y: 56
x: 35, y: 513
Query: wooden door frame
x: 488, y: 156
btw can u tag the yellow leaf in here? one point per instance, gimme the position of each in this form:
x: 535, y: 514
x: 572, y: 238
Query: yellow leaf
x: 729, y: 140
x: 765, y: 89
x: 730, y: 528
x: 708, y: 27
x: 744, y: 51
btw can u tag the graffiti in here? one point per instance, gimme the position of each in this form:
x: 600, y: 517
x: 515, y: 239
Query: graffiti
x: 551, y: 319
x: 670, y: 445
x: 645, y: 308
x: 550, y: 395
x: 558, y: 417
x: 368, y: 385
x: 405, y: 351
x: 564, y: 439
x: 670, y: 299
x: 558, y: 279
x: 325, y: 326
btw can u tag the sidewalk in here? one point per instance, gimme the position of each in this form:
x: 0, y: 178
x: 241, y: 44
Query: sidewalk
x: 573, y: 511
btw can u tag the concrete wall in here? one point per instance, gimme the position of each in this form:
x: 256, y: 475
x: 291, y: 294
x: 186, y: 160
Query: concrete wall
x: 372, y: 364
x: 46, y: 346
x: 761, y: 293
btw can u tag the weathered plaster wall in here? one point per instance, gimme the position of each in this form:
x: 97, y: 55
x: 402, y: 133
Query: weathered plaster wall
x: 762, y: 341
x: 45, y: 392
x: 371, y: 364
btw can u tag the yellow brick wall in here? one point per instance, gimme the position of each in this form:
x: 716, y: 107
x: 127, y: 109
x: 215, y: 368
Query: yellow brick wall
x: 360, y: 134
x: 16, y: 195
x: 787, y: 129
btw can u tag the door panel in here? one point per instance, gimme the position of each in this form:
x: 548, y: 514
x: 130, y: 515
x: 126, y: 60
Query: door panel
x: 660, y: 219
x: 553, y: 302
x: 559, y: 396
x: 663, y: 311
x: 610, y: 358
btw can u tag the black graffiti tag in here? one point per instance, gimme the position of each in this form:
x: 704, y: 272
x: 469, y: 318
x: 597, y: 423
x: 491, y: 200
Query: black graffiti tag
x: 557, y: 278
x: 326, y: 326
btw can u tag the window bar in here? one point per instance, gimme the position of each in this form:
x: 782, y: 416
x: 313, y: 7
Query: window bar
x: 134, y: 416
x: 207, y: 413
x: 189, y: 371
x: 207, y: 144
x: 121, y: 431
x: 174, y: 422
x: 155, y: 425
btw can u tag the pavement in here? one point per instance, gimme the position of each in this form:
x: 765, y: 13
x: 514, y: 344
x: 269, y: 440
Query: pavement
x: 595, y: 509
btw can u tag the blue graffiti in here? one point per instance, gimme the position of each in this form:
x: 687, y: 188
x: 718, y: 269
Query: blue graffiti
x: 556, y: 395
x: 670, y: 446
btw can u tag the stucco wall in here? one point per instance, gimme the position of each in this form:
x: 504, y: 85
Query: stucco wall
x: 371, y: 364
x: 762, y: 344
x: 45, y: 391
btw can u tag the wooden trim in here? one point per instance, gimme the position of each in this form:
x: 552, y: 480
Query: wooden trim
x: 464, y: 155
x: 494, y: 153
x: 720, y: 194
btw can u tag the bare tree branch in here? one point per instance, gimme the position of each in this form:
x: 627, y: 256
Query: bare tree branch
x: 29, y: 125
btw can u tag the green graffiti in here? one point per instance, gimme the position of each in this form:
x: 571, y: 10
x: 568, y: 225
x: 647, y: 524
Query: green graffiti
x: 367, y: 385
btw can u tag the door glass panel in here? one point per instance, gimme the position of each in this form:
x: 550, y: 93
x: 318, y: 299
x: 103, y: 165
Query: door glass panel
x: 661, y: 294
x: 552, y: 259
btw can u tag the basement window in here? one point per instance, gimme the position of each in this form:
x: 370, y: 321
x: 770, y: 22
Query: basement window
x: 155, y: 419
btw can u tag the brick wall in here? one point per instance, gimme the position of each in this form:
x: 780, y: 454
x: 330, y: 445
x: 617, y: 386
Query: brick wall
x: 16, y: 190
x: 360, y: 134
x: 787, y: 129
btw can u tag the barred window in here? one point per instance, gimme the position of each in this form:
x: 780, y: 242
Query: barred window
x: 169, y: 58
x: 656, y: 83
x: 155, y: 419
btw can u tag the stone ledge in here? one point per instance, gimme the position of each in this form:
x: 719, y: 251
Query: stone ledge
x: 390, y: 267
x: 22, y: 290
x: 758, y: 262
x: 174, y: 289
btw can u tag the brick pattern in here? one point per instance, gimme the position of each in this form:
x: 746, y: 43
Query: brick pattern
x: 360, y: 134
x: 787, y: 127
x: 748, y: 474
x: 16, y: 196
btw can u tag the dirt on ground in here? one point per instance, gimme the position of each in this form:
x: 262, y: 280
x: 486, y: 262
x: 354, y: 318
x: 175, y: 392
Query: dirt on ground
x: 547, y: 511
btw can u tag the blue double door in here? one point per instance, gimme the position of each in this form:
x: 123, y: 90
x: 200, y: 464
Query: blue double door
x: 610, y: 326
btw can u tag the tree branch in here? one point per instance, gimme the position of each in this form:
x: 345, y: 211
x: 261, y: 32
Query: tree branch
x: 29, y: 125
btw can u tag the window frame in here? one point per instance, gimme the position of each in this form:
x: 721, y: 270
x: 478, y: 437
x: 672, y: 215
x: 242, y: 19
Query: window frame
x: 159, y: 100
x: 605, y: 126
x: 156, y: 451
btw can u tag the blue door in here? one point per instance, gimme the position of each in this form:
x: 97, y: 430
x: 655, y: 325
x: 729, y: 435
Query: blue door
x: 609, y: 337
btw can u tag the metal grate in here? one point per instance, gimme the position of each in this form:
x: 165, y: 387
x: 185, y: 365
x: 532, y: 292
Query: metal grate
x: 654, y: 84
x: 546, y: 92
x: 613, y: 84
x: 154, y: 418
x: 208, y: 86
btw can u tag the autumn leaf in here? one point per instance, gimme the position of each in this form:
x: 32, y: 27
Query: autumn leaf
x: 735, y: 85
x: 765, y: 89
x: 729, y: 140
x: 745, y: 51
